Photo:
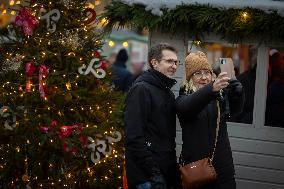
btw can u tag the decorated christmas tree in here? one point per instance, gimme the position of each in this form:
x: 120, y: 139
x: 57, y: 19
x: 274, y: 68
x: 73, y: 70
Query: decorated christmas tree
x: 60, y: 119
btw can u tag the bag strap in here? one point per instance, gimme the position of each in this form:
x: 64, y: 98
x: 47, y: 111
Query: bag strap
x: 181, y: 161
x: 217, y: 130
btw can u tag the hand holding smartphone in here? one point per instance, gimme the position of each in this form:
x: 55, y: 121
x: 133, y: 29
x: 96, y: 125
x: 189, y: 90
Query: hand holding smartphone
x: 227, y: 65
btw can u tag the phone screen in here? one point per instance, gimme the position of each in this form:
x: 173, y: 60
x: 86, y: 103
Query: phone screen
x: 227, y: 65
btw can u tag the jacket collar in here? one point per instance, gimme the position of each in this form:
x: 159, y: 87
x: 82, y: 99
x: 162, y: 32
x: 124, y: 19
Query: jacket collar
x: 158, y: 79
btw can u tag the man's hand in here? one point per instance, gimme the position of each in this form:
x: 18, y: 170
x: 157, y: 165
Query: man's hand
x: 158, y: 182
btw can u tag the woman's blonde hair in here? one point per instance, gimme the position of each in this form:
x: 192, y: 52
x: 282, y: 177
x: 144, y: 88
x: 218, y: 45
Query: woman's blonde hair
x: 189, y: 85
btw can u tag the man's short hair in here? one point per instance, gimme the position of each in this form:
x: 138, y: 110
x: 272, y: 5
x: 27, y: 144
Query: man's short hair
x: 156, y: 52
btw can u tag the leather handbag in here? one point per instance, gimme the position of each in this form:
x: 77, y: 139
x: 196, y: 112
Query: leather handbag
x: 201, y: 172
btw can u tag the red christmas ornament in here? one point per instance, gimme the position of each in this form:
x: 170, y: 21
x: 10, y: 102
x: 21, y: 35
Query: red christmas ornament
x: 30, y: 68
x: 66, y: 131
x: 97, y: 54
x: 47, y: 129
x: 44, y: 129
x: 53, y: 124
x: 93, y: 15
x: 104, y: 65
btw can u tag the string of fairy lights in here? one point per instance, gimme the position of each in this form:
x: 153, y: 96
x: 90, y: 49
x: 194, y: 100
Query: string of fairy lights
x: 68, y: 176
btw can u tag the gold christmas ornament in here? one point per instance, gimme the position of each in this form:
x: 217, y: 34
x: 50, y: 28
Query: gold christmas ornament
x: 4, y: 20
x: 25, y: 178
x: 68, y: 86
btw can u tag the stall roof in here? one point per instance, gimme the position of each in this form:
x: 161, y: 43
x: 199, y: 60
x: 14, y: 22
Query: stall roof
x: 124, y: 34
x: 156, y: 5
x: 233, y: 20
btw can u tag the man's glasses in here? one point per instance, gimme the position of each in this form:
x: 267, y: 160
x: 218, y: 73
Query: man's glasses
x: 205, y: 73
x: 171, y: 61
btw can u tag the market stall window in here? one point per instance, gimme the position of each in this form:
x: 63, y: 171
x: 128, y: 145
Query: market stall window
x: 274, y: 115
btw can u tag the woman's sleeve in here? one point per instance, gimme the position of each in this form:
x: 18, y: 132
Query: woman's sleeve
x: 192, y: 104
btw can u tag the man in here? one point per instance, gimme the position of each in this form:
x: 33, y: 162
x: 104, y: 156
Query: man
x: 122, y: 77
x: 150, y: 124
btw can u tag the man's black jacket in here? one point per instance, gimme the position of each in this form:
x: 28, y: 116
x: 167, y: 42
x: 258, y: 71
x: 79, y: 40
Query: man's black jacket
x: 150, y: 128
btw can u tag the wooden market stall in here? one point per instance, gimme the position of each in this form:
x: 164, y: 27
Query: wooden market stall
x: 252, y: 34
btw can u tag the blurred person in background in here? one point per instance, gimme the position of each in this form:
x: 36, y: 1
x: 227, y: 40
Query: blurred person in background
x: 247, y: 80
x: 137, y: 68
x: 275, y: 90
x: 111, y: 58
x: 122, y: 78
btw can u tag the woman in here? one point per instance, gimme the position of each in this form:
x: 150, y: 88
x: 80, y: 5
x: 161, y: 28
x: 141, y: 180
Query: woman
x: 197, y: 111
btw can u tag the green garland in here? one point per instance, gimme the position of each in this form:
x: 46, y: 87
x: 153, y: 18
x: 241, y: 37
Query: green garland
x: 234, y: 25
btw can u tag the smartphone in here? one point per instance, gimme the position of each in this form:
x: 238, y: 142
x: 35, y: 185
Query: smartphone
x: 227, y: 65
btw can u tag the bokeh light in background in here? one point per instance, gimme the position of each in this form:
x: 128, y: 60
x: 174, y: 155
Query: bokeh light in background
x: 125, y: 44
x: 111, y: 44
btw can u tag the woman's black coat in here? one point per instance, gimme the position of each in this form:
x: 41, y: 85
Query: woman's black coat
x: 197, y: 113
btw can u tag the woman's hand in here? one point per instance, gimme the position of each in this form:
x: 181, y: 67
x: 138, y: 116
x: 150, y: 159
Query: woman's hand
x: 221, y: 82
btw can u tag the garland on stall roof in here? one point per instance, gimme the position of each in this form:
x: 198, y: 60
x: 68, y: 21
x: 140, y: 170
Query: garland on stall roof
x: 232, y: 24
